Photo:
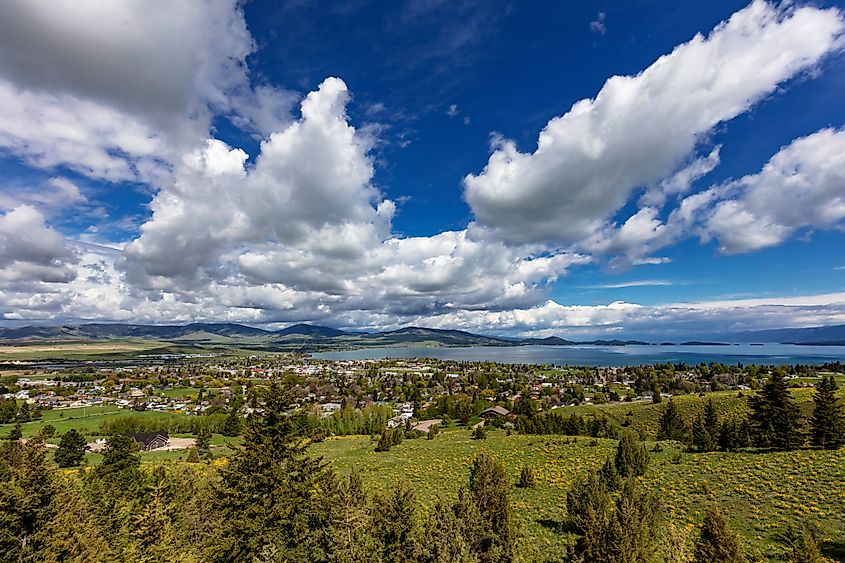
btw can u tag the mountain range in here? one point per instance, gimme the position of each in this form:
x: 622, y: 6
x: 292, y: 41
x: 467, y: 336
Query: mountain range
x: 308, y: 336
x: 305, y: 336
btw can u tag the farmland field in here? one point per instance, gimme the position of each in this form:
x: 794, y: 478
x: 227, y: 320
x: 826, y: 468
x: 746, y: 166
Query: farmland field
x: 760, y: 492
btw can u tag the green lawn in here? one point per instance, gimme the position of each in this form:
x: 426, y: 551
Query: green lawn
x: 86, y: 420
x: 760, y: 492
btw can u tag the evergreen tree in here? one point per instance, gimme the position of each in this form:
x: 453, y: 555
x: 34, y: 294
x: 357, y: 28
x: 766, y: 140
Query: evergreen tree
x: 717, y: 542
x: 119, y: 455
x: 672, y: 424
x: 350, y: 538
x: 152, y: 532
x: 827, y: 425
x: 634, y: 525
x: 775, y: 418
x: 71, y: 450
x: 193, y: 455
x: 232, y: 426
x: 802, y: 543
x: 443, y: 538
x: 702, y: 436
x: 494, y: 539
x: 609, y: 475
x: 15, y: 433
x: 23, y: 413
x: 734, y: 435
x: 272, y: 494
x: 612, y: 531
x: 25, y: 498
x: 394, y: 523
x: 72, y: 534
x: 478, y: 433
x: 203, y: 442
x: 527, y: 480
x: 632, y: 457
x: 8, y: 410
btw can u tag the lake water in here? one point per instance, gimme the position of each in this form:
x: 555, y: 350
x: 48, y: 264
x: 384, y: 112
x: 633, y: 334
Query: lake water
x: 608, y: 356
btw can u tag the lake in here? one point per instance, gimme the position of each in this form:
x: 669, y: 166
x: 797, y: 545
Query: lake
x: 608, y: 356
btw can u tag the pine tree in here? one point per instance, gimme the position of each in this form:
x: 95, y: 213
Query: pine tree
x: 272, y: 493
x: 72, y: 534
x: 631, y: 456
x: 717, y: 542
x: 118, y: 456
x: 443, y: 538
x: 489, y: 491
x: 350, y: 537
x: 203, y: 442
x: 802, y: 543
x: 527, y: 480
x: 25, y: 498
x: 702, y: 437
x: 394, y: 523
x: 232, y: 425
x: 634, y: 526
x: 16, y: 433
x: 23, y: 413
x: 827, y: 425
x: 775, y: 418
x: 672, y: 424
x: 152, y: 532
x: 71, y: 450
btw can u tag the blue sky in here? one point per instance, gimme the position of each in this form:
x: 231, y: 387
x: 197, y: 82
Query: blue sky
x: 163, y: 166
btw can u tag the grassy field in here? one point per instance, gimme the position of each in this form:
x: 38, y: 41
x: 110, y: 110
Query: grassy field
x: 760, y: 492
x: 86, y: 420
x: 645, y: 415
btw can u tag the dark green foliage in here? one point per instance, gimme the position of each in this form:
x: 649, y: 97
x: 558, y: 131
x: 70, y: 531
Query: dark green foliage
x: 48, y: 430
x: 587, y: 504
x: 272, y: 496
x: 203, y: 443
x: 71, y: 450
x: 8, y: 410
x: 717, y: 542
x: 478, y: 433
x: 443, y: 538
x: 233, y: 425
x: 432, y: 432
x: 23, y: 413
x: 609, y: 475
x: 193, y: 455
x: 613, y: 530
x: 802, y: 543
x: 492, y: 534
x: 734, y: 435
x: 827, y: 425
x: 389, y: 437
x: 775, y: 418
x: 552, y: 422
x: 153, y: 534
x: 349, y: 536
x: 655, y: 397
x: 705, y: 430
x: 394, y: 530
x: 15, y: 433
x: 25, y: 498
x: 672, y: 424
x: 527, y: 480
x: 634, y: 525
x: 631, y: 456
x: 119, y: 455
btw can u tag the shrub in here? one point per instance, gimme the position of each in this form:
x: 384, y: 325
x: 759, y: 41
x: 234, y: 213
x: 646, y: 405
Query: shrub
x: 526, y: 478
